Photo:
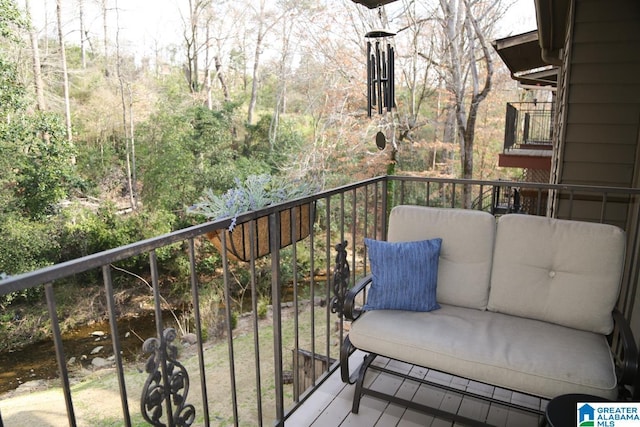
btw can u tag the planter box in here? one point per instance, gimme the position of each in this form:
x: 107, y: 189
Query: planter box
x: 239, y: 240
x: 303, y: 361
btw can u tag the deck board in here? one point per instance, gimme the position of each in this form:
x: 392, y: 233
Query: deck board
x: 330, y: 405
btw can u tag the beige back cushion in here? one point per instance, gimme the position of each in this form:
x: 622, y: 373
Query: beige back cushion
x: 560, y: 271
x: 465, y: 256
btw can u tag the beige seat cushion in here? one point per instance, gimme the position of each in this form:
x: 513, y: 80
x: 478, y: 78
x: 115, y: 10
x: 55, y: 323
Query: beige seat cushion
x: 565, y: 272
x: 507, y: 351
x: 466, y: 252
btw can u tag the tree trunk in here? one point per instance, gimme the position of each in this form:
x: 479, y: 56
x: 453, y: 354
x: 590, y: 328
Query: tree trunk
x: 46, y: 29
x: 194, y: 20
x: 256, y: 59
x: 83, y: 47
x: 221, y: 79
x: 128, y: 138
x: 105, y: 35
x: 134, y: 178
x: 256, y: 64
x: 466, y: 46
x: 207, y: 70
x: 281, y: 96
x: 192, y: 73
x: 37, y: 73
x: 479, y: 95
x: 65, y: 74
x: 254, y: 83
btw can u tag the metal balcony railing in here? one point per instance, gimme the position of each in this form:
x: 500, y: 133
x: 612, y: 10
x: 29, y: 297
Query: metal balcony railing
x: 259, y: 377
x: 528, y: 125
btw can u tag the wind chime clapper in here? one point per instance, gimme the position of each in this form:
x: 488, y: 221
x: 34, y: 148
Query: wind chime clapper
x: 380, y: 71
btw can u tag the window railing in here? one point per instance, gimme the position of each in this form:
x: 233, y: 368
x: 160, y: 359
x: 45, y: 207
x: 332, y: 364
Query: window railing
x: 253, y: 365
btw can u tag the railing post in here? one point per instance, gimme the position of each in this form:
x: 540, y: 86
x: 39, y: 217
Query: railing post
x: 385, y: 208
x: 510, y: 127
x: 276, y: 297
x: 111, y: 306
x: 256, y: 336
x: 229, y: 328
x: 195, y: 295
x: 62, y: 363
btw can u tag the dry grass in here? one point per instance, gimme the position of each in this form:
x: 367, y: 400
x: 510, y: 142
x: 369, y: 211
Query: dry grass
x: 97, y: 401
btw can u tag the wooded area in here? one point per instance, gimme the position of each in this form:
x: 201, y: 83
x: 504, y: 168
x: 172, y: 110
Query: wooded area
x: 103, y: 143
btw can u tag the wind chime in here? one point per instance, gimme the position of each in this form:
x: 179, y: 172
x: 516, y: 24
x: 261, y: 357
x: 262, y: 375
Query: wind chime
x: 380, y: 81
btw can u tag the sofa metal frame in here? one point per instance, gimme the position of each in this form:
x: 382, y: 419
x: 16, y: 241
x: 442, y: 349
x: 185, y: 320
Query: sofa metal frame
x: 621, y: 341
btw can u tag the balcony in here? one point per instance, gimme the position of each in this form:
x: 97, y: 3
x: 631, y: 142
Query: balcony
x: 527, y: 136
x: 281, y: 370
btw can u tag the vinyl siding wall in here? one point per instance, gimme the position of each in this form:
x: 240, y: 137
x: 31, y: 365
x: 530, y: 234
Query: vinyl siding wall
x: 598, y: 131
x: 602, y: 116
x: 599, y: 103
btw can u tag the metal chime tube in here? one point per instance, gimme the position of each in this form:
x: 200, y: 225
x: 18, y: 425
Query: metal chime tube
x: 392, y: 77
x: 379, y: 77
x: 380, y: 73
x: 384, y: 76
x: 369, y: 80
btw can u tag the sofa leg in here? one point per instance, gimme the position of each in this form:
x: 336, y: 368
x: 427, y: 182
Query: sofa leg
x: 345, y: 352
x: 357, y: 394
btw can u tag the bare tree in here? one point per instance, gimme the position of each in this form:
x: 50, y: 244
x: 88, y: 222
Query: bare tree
x: 417, y: 68
x: 83, y: 35
x: 127, y: 128
x: 256, y: 63
x: 266, y: 22
x: 280, y: 107
x: 212, y: 14
x: 469, y: 68
x: 65, y: 74
x: 207, y: 70
x: 191, y: 35
x: 37, y: 73
x: 221, y: 79
x: 231, y: 45
x: 105, y: 34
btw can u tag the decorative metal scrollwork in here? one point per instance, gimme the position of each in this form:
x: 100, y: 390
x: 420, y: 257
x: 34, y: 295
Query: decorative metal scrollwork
x: 340, y: 279
x: 167, y: 384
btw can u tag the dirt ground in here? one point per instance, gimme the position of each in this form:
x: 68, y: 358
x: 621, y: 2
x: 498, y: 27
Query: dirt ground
x: 43, y: 405
x: 95, y: 395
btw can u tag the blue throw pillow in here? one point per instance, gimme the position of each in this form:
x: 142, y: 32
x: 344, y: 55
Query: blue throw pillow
x: 405, y: 275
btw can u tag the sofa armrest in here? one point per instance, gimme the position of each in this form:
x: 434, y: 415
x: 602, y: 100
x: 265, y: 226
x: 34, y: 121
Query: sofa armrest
x: 624, y: 349
x: 351, y: 312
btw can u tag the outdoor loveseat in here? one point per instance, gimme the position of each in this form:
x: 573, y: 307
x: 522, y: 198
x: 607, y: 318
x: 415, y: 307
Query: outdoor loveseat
x: 521, y: 302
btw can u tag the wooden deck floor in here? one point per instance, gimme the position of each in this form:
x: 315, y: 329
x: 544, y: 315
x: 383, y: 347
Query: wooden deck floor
x: 330, y: 404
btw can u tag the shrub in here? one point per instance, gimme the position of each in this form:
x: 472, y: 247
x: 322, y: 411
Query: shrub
x: 263, y: 306
x: 86, y: 231
x: 26, y: 245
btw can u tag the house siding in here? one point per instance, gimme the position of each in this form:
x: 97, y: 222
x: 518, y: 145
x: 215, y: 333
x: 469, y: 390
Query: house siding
x: 602, y: 94
x: 598, y: 122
